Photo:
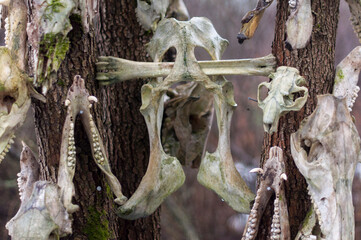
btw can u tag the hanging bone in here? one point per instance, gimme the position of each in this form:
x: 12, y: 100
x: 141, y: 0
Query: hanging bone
x: 346, y: 79
x: 77, y: 102
x: 217, y: 170
x: 326, y: 149
x: 299, y: 23
x: 355, y: 9
x: 41, y: 215
x: 280, y: 100
x: 47, y: 33
x: 272, y: 182
x: 251, y: 20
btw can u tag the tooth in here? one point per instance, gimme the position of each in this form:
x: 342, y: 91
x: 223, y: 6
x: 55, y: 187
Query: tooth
x: 92, y: 99
x: 257, y: 170
x: 67, y: 102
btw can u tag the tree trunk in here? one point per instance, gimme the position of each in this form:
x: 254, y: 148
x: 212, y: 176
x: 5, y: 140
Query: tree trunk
x: 116, y: 33
x: 316, y: 63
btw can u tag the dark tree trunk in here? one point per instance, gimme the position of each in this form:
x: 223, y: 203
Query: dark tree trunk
x: 316, y: 63
x: 115, y: 33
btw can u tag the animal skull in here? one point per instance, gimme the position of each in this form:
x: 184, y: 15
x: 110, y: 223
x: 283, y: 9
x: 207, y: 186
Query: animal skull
x: 41, y: 214
x: 326, y: 150
x: 14, y: 99
x: 280, y: 100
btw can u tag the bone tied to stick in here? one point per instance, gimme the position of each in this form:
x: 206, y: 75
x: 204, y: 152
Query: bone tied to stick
x: 164, y: 174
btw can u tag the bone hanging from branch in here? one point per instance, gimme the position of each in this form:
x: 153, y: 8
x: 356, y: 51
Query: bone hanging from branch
x: 79, y: 101
x: 326, y: 149
x: 355, y: 9
x: 41, y: 214
x: 272, y: 182
x: 280, y: 100
x: 217, y: 170
x: 251, y: 20
x: 346, y: 79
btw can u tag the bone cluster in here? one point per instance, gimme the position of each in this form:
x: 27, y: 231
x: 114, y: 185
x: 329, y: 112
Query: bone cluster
x: 98, y: 155
x: 276, y: 223
x: 71, y: 147
x: 7, y: 148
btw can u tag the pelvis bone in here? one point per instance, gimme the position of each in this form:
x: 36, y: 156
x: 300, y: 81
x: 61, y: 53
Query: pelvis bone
x: 41, y: 214
x: 272, y: 177
x: 78, y: 101
x: 164, y: 174
x: 280, y: 100
x: 326, y: 150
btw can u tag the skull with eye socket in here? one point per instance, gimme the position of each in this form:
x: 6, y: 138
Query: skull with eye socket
x: 326, y: 149
x: 14, y: 99
x: 285, y: 83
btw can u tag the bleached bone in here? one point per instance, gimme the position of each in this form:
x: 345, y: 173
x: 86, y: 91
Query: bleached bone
x: 119, y: 69
x: 251, y: 20
x: 280, y: 100
x: 308, y: 224
x: 346, y: 79
x: 41, y: 214
x: 164, y: 174
x: 328, y: 165
x: 78, y: 97
x: 355, y: 9
x: 178, y: 10
x: 271, y: 183
x: 14, y: 99
x: 47, y: 33
x: 299, y: 24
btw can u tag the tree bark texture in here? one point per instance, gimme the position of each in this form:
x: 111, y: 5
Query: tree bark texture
x: 316, y: 63
x: 115, y: 32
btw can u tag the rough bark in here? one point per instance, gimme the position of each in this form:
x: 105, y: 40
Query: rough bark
x: 316, y: 64
x: 115, y: 33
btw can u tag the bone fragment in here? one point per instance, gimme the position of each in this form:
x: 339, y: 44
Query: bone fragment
x: 299, y: 23
x: 355, y: 9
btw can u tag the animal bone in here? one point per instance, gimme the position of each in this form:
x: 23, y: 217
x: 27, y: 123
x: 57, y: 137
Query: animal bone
x: 48, y: 37
x: 326, y: 149
x: 164, y: 174
x: 112, y: 70
x: 299, y: 23
x: 41, y: 214
x: 271, y: 183
x: 79, y: 102
x: 187, y: 120
x: 251, y: 20
x: 347, y: 73
x: 149, y: 13
x: 15, y: 89
x: 14, y: 100
x: 280, y: 100
x: 355, y: 9
x: 178, y: 10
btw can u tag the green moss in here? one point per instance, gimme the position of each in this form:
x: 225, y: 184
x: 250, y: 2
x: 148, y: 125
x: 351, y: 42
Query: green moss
x: 339, y: 76
x: 54, y: 6
x: 2, y: 87
x: 97, y: 226
x: 54, y: 48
